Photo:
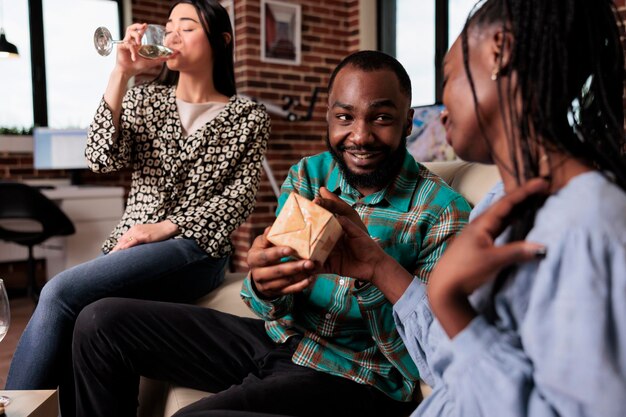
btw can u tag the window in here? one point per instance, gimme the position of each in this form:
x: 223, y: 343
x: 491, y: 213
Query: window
x: 16, y: 94
x: 418, y: 35
x: 458, y: 10
x: 415, y: 46
x: 69, y: 76
x: 76, y: 76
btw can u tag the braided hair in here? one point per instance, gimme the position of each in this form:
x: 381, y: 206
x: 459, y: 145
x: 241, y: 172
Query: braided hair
x: 569, y: 63
x: 568, y: 59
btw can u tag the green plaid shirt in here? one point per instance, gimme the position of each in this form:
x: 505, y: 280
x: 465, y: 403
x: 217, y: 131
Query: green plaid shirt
x: 350, y: 332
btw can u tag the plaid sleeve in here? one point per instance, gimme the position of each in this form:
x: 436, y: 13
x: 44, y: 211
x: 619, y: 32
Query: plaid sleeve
x: 451, y: 220
x: 265, y: 309
x: 378, y: 313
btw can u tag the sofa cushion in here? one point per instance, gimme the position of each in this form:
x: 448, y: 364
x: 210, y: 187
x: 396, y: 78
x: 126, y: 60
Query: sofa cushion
x: 226, y: 297
x: 469, y: 179
x: 179, y: 397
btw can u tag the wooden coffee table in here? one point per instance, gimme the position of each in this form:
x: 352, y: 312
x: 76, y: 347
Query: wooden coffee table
x: 42, y: 403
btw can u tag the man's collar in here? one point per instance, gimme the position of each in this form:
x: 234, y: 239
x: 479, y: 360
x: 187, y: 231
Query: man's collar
x: 398, y: 193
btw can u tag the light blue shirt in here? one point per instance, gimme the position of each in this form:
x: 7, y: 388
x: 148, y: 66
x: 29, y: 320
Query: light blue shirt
x: 558, y: 347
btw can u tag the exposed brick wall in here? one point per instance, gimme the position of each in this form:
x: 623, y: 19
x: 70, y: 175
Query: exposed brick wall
x: 19, y: 166
x: 16, y: 165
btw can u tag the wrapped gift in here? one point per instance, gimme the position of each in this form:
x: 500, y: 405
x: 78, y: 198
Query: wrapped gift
x: 309, y: 229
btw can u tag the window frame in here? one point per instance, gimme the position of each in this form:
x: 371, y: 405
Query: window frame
x: 387, y: 36
x: 38, y: 58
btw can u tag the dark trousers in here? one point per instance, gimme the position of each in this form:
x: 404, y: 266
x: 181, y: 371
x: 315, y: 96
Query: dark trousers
x: 116, y: 340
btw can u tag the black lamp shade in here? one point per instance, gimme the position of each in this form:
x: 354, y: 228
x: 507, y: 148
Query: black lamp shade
x: 6, y: 47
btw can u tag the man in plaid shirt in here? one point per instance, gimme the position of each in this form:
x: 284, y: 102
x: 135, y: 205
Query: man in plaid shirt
x: 326, y: 345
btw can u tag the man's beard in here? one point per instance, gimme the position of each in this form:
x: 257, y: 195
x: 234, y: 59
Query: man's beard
x: 384, y: 173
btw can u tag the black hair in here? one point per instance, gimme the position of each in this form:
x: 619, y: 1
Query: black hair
x: 374, y: 61
x: 215, y: 22
x: 568, y: 59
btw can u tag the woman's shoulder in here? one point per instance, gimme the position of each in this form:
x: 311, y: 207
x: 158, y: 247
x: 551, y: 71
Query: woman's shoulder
x: 583, y: 227
x: 590, y: 203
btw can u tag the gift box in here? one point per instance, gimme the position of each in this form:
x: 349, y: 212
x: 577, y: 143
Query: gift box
x: 309, y: 229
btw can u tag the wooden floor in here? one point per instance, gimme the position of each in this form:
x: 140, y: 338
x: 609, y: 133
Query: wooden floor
x: 21, y: 310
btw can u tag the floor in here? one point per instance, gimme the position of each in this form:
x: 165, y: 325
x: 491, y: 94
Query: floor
x: 21, y: 310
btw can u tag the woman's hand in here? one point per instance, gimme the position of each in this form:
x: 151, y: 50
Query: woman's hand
x: 128, y: 61
x: 472, y: 259
x: 273, y: 278
x: 128, y: 64
x: 146, y: 233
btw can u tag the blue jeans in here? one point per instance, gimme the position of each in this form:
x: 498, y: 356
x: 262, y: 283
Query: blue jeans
x: 172, y: 270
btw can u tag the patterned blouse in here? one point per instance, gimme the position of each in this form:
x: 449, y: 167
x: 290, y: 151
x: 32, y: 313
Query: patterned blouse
x: 205, y: 183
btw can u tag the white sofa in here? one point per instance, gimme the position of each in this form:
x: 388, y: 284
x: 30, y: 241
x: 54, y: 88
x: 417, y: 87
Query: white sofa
x: 158, y: 399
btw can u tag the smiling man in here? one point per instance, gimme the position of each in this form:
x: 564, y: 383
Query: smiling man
x: 369, y: 117
x: 324, y: 345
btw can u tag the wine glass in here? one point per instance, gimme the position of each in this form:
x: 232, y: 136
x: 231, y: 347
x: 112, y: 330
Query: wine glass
x: 151, y: 42
x: 5, y: 320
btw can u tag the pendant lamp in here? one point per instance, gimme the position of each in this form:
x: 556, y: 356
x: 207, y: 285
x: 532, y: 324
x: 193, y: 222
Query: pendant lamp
x: 7, y: 49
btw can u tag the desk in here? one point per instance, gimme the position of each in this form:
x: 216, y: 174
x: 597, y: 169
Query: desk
x: 32, y: 403
x: 94, y: 211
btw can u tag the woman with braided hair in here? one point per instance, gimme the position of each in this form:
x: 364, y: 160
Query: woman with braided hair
x: 525, y: 313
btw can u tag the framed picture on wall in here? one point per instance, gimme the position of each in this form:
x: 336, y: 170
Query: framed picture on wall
x: 280, y: 32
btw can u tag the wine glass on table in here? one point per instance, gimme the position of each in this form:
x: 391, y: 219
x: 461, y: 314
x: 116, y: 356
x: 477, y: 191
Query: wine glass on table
x: 5, y: 320
x: 151, y: 47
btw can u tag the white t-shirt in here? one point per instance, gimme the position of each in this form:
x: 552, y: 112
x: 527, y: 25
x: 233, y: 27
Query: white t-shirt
x: 195, y: 115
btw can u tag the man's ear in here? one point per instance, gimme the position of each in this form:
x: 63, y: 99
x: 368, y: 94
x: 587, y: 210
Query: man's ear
x: 501, y: 50
x: 409, y: 122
